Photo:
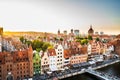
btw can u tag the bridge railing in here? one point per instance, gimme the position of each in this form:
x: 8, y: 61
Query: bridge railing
x: 103, y: 75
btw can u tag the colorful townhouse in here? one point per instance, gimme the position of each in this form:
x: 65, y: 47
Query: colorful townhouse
x: 60, y: 56
x: 52, y: 60
x: 44, y: 62
x: 67, y: 55
x: 78, y: 53
x: 36, y: 63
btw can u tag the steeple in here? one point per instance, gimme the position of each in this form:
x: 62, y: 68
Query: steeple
x: 90, y: 31
x: 58, y: 32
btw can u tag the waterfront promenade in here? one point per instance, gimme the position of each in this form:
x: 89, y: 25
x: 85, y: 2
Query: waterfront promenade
x: 77, y: 72
x: 72, y: 72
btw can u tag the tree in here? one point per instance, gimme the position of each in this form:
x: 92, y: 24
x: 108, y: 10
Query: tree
x: 61, y: 39
x: 37, y: 44
x: 22, y: 39
x: 97, y: 39
x: 77, y: 37
x: 78, y: 40
x: 38, y: 49
x: 55, y: 38
x: 45, y: 46
x: 90, y: 37
x: 50, y: 47
x: 28, y: 42
x: 84, y: 41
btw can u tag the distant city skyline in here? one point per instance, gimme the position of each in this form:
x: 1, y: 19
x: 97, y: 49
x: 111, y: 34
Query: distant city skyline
x: 51, y: 15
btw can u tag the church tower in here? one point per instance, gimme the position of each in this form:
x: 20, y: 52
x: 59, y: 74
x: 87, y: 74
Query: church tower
x: 58, y: 32
x: 90, y: 31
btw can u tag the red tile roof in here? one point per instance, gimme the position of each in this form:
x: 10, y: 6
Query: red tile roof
x: 67, y: 53
x: 83, y: 50
x: 51, y: 52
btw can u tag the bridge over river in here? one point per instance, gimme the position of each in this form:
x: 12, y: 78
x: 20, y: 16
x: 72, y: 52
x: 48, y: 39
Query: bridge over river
x: 102, y: 75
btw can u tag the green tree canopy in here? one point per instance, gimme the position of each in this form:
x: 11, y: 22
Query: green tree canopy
x: 45, y: 46
x: 61, y: 39
x: 39, y: 45
x: 22, y: 39
x: 90, y: 37
x: 28, y: 42
x: 97, y: 39
x: 84, y: 41
x: 55, y: 38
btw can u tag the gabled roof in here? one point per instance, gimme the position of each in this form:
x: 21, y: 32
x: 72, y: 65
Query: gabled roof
x: 83, y: 50
x: 51, y: 52
x: 67, y: 53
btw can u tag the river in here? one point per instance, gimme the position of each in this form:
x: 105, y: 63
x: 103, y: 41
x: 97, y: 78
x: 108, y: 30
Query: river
x: 112, y: 69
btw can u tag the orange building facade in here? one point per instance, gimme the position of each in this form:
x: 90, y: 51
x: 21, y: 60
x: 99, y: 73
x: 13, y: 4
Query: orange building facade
x: 18, y: 63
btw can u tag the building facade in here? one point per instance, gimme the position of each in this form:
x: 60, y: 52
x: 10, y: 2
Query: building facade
x: 53, y: 59
x: 18, y: 63
x: 36, y: 63
x: 44, y: 62
x: 60, y: 56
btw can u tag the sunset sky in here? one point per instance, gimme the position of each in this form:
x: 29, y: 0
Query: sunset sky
x: 51, y: 15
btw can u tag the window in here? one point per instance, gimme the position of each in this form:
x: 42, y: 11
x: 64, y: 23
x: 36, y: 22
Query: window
x: 45, y: 59
x: 17, y: 77
x: 21, y: 72
x: 10, y: 65
x: 11, y: 69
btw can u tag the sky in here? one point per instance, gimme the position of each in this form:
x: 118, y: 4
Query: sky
x: 51, y: 15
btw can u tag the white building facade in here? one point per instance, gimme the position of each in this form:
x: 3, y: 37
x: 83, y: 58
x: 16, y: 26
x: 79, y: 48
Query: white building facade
x: 60, y: 56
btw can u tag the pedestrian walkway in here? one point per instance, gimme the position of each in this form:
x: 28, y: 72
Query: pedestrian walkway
x: 102, y: 75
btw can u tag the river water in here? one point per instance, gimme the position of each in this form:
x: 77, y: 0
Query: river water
x: 112, y: 69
